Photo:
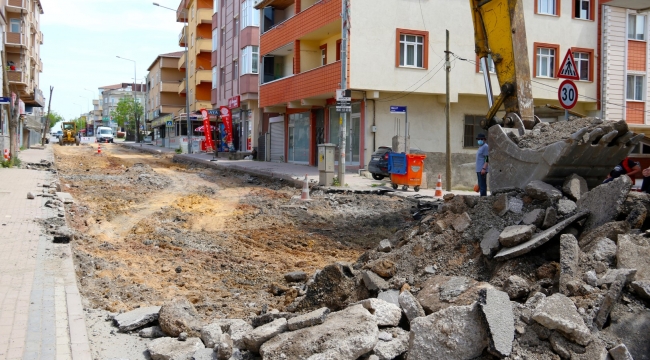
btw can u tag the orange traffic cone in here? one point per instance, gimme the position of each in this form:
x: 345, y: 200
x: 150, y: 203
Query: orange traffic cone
x: 7, y: 157
x: 99, y: 149
x: 438, y: 193
x: 305, y: 190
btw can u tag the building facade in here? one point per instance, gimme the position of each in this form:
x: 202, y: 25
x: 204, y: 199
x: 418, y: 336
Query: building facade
x: 110, y: 97
x: 163, y: 100
x: 399, y: 60
x: 235, y: 67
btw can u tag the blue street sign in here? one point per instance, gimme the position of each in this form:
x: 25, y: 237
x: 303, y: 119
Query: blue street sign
x: 5, y: 100
x: 170, y: 123
x: 398, y: 109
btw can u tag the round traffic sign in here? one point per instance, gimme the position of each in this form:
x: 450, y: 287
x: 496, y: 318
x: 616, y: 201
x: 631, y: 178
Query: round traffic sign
x: 568, y: 94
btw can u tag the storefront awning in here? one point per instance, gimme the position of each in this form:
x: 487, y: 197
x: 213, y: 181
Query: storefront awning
x: 161, y: 120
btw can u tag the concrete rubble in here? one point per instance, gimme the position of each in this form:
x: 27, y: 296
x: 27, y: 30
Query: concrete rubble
x: 563, y: 276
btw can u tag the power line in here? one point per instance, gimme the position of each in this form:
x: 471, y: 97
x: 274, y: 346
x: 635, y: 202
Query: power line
x: 424, y: 24
x: 393, y: 98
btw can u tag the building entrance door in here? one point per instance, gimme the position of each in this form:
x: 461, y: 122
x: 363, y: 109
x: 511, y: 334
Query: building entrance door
x: 320, y: 132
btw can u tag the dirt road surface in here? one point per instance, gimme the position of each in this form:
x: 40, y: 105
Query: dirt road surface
x: 149, y: 230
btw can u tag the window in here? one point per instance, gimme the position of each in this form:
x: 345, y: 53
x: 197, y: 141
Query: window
x: 547, y: 7
x: 635, y: 27
x: 490, y: 64
x: 323, y: 54
x: 223, y: 77
x: 223, y: 36
x: 192, y: 36
x: 214, y: 77
x: 15, y: 25
x: 215, y: 6
x: 235, y: 70
x: 338, y: 49
x: 412, y: 49
x: 583, y: 64
x: 249, y: 60
x: 250, y: 16
x: 472, y: 129
x: 546, y: 61
x: 235, y: 27
x: 635, y: 87
x: 215, y: 39
x: 582, y: 9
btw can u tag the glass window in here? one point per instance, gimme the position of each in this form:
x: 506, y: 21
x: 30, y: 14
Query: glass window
x: 411, y: 50
x: 215, y: 6
x: 636, y: 27
x: 635, y: 87
x: 214, y: 77
x: 582, y: 63
x: 15, y: 25
x: 472, y: 129
x: 582, y: 9
x: 222, y: 79
x: 215, y: 39
x: 235, y: 70
x: 298, y: 150
x: 249, y: 60
x: 249, y: 15
x: 490, y: 64
x: 546, y: 7
x: 545, y: 62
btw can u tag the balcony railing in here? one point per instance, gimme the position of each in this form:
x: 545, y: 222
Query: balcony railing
x: 13, y: 38
x: 182, y: 36
x: 181, y: 87
x: 16, y: 5
x: 319, y: 81
x: 204, y: 16
x: 181, y: 62
x: 202, y: 76
x: 203, y: 45
x: 17, y: 76
x: 169, y: 86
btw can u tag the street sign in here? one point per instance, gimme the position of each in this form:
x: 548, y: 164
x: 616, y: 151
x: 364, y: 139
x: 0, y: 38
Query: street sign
x: 213, y: 112
x: 398, y: 109
x: 567, y: 94
x: 170, y: 123
x: 5, y: 100
x: 343, y: 95
x: 568, y: 69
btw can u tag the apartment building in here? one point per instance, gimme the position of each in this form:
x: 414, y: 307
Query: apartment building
x: 163, y: 100
x: 235, y: 68
x: 399, y: 60
x: 111, y: 95
x: 197, y: 35
x: 23, y: 40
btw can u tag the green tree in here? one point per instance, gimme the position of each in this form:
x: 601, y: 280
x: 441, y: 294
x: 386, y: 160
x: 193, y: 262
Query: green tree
x: 55, y: 118
x: 128, y: 110
x: 81, y: 122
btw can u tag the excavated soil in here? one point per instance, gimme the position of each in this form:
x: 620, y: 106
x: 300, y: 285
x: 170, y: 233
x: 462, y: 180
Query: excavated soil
x: 544, y: 134
x: 149, y: 230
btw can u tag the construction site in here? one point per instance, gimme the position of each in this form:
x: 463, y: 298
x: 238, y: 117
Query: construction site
x: 239, y: 267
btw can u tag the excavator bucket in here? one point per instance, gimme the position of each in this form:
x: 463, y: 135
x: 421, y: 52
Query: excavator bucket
x: 589, y: 153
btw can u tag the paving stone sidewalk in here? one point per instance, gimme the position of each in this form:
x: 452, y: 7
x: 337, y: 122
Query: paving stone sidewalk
x: 41, y: 316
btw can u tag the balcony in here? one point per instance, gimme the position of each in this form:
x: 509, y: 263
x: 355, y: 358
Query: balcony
x: 16, y: 6
x: 319, y: 82
x: 169, y: 86
x: 201, y: 104
x: 181, y: 12
x: 17, y: 77
x: 15, y: 39
x: 182, y: 36
x: 181, y: 62
x: 181, y: 87
x: 311, y: 20
x: 204, y: 16
x: 202, y: 76
x: 203, y: 45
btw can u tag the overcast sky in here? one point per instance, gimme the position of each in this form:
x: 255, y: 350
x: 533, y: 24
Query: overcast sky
x: 83, y: 37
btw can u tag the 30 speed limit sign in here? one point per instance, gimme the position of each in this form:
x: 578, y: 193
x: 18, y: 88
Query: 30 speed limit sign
x: 568, y: 94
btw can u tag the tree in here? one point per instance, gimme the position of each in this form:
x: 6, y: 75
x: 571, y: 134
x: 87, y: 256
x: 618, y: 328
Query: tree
x: 55, y: 118
x: 127, y: 109
x: 80, y: 122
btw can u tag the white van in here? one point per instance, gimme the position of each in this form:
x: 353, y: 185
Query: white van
x: 104, y: 134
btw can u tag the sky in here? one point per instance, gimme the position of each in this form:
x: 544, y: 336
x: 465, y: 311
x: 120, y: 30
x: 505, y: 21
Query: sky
x: 81, y: 39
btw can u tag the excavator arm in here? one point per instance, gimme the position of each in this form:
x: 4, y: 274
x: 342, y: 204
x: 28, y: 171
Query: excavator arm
x: 500, y: 31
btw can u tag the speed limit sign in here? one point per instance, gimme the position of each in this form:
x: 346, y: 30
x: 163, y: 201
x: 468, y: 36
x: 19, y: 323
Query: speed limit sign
x: 568, y: 94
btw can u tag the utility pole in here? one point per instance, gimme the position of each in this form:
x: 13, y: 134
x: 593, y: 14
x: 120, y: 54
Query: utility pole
x: 13, y: 118
x: 47, y: 119
x: 448, y: 131
x: 344, y: 86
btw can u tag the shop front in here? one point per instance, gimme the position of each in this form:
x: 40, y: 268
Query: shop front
x: 299, y: 138
x: 163, y: 130
x: 353, y: 133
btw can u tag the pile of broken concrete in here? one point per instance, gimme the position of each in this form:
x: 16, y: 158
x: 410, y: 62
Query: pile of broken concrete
x: 534, y: 273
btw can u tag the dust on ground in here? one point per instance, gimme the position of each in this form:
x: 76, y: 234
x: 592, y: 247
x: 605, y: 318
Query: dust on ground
x: 150, y: 230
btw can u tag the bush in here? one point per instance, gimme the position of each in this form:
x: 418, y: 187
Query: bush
x: 179, y: 150
x: 121, y: 135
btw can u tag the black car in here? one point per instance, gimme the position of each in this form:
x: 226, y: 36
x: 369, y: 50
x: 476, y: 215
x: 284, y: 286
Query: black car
x: 378, y: 165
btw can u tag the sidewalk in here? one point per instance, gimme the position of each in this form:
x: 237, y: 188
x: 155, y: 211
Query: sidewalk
x: 41, y: 316
x: 294, y: 173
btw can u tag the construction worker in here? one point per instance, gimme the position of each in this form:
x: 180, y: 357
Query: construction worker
x: 628, y: 167
x: 482, y: 165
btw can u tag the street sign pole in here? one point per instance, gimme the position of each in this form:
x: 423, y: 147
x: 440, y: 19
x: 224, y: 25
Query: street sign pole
x: 344, y: 85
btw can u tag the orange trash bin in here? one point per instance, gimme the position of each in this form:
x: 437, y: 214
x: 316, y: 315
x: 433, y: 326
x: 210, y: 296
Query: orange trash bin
x: 413, y: 176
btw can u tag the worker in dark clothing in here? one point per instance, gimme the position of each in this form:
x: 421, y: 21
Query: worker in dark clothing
x: 626, y: 167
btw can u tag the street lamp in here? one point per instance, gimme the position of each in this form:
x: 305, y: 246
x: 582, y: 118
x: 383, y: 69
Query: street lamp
x: 135, y: 108
x: 187, y: 82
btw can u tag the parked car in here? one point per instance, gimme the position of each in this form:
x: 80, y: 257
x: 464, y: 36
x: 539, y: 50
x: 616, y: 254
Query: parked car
x: 104, y: 134
x: 378, y: 165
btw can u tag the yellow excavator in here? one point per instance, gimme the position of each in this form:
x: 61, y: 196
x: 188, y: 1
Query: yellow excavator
x: 500, y: 32
x: 69, y: 136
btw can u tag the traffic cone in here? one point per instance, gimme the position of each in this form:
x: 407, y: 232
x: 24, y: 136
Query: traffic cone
x: 305, y: 190
x: 99, y: 149
x: 7, y: 154
x: 438, y: 193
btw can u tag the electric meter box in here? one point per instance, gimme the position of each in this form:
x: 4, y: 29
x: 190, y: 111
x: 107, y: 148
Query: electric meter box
x: 326, y: 153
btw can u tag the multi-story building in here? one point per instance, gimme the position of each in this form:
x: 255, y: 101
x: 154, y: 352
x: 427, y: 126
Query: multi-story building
x: 23, y: 40
x: 163, y: 100
x: 235, y: 67
x: 111, y: 96
x: 399, y: 60
x: 197, y: 35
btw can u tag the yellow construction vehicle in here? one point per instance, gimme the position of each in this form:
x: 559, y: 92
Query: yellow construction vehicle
x: 500, y: 33
x: 70, y: 134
